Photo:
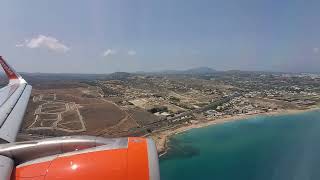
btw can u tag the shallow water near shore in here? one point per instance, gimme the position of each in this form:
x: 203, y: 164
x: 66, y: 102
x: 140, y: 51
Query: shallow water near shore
x: 278, y: 147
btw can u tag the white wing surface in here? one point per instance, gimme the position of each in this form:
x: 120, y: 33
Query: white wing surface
x: 14, y: 99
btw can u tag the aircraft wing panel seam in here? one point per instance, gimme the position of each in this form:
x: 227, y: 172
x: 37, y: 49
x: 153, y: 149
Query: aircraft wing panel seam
x: 9, y: 109
x: 11, y: 126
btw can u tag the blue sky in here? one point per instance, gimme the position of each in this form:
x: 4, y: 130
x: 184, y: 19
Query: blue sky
x: 105, y: 36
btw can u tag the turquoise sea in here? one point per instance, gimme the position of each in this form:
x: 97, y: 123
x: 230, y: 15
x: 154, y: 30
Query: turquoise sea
x: 284, y: 147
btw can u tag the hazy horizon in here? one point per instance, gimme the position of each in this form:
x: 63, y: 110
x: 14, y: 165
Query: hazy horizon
x: 105, y: 36
x: 169, y: 71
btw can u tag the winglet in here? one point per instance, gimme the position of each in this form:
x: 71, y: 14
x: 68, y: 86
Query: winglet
x: 10, y: 72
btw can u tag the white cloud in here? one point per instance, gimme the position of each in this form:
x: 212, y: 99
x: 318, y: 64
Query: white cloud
x: 316, y: 50
x: 19, y: 45
x: 132, y: 52
x: 42, y: 41
x: 109, y: 52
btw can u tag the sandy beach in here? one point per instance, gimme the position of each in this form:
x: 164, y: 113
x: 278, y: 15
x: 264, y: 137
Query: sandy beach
x: 161, y: 138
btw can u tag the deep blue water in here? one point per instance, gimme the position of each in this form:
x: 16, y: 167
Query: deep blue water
x: 285, y: 147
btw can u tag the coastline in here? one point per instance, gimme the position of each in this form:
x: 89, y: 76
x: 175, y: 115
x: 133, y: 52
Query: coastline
x: 161, y: 138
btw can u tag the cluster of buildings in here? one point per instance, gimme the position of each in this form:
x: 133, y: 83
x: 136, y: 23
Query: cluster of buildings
x: 175, y: 99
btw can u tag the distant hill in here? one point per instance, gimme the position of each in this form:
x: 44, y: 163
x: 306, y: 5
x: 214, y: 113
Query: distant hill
x: 35, y: 77
x: 119, y: 75
x: 198, y: 70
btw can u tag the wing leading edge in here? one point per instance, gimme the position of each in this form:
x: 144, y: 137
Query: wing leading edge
x: 14, y: 98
